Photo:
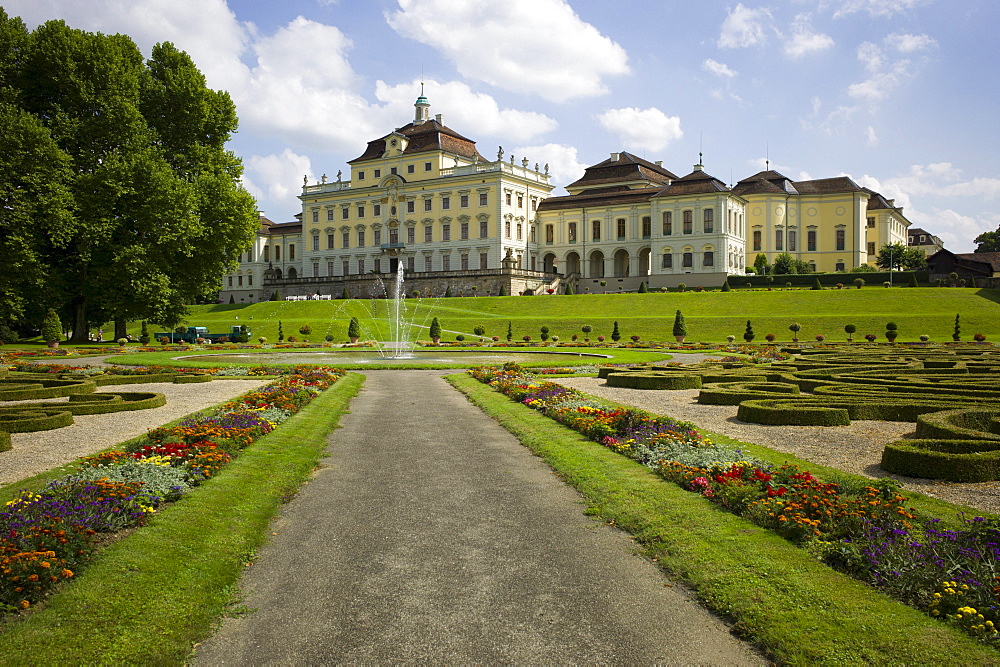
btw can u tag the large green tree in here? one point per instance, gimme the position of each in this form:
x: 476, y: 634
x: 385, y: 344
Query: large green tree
x: 899, y: 257
x: 988, y: 242
x: 158, y: 213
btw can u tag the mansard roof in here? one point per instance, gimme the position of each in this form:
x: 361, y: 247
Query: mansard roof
x: 622, y: 168
x: 279, y: 228
x: 429, y: 135
x: 826, y: 186
x: 696, y: 183
x: 765, y: 182
x: 599, y: 197
x: 877, y: 201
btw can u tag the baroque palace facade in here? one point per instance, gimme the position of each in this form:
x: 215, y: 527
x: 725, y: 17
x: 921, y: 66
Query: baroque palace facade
x: 424, y: 199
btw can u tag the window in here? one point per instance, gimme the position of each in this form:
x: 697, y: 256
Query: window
x: 779, y: 242
x: 346, y: 240
x: 791, y: 240
x: 377, y: 237
x: 378, y: 264
x: 446, y: 262
x: 708, y: 259
x: 534, y: 204
x: 376, y: 209
x: 361, y: 177
x: 315, y: 216
x: 344, y: 213
x: 361, y: 238
x: 709, y: 220
x: 329, y: 214
x: 428, y: 263
x: 668, y: 260
x: 647, y: 227
x: 250, y: 280
x: 378, y: 173
x: 464, y: 231
x: 291, y: 252
x: 446, y: 232
x: 316, y: 242
x: 465, y: 261
x: 445, y: 203
x: 839, y: 266
x: 549, y: 234
x: 484, y: 229
x: 250, y: 255
x: 410, y: 205
x: 427, y: 166
x: 410, y: 264
x: 315, y: 269
x: 484, y: 199
x: 230, y: 281
x: 410, y: 168
x: 394, y: 235
x: 871, y: 223
x: 484, y: 260
x: 756, y: 240
x: 392, y: 170
x: 668, y: 223
x: 688, y: 260
x: 361, y: 211
x: 239, y: 281
x: 277, y: 253
x: 595, y: 230
x: 427, y: 204
x: 329, y: 268
x: 361, y: 265
x: 428, y: 233
x: 508, y: 198
x: 520, y: 200
x: 841, y: 237
x: 330, y: 243
x: 411, y: 235
x: 463, y: 201
x: 347, y: 267
x: 871, y: 247
x: 572, y: 232
x: 620, y: 226
x: 520, y: 231
x: 267, y: 253
x: 532, y: 235
x: 688, y: 222
x: 811, y: 240
x: 506, y: 228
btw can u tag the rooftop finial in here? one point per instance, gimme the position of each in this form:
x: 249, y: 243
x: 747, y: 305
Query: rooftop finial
x: 422, y: 106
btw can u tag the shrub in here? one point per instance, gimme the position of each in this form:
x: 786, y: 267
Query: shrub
x: 870, y: 338
x: 795, y: 328
x: 544, y: 333
x: 850, y: 329
x: 887, y: 284
x: 275, y: 295
x: 281, y: 333
x: 262, y: 340
x: 730, y: 339
x: 725, y: 286
x: 924, y: 338
x: 293, y: 339
x: 447, y: 291
x: 957, y: 334
x: 788, y: 285
x: 51, y: 327
x: 681, y: 287
x: 816, y: 285
x: 840, y: 285
x: 124, y: 341
x: 555, y: 339
x: 979, y: 338
x: 586, y: 328
x: 953, y: 460
x: 680, y: 327
x: 913, y: 280
x: 615, y: 334
x: 600, y: 339
x: 328, y: 338
x: 496, y: 339
x: 435, y: 331
x: 510, y: 332
x: 144, y: 334
x: 479, y: 330
x: 526, y: 339
x: 503, y: 291
x: 164, y: 341
x: 635, y: 339
x: 748, y: 335
x: 769, y: 337
x: 890, y: 331
x: 459, y: 338
x: 354, y: 328
x: 345, y: 294
x: 305, y: 330
x: 820, y: 338
x: 859, y: 282
x: 642, y: 288
x: 569, y: 289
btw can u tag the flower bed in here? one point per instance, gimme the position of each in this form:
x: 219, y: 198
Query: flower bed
x: 45, y: 537
x: 866, y: 532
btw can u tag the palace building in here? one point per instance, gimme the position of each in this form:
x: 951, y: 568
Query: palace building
x: 423, y: 198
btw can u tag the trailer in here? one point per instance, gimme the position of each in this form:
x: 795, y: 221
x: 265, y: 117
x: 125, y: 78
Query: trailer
x: 194, y: 333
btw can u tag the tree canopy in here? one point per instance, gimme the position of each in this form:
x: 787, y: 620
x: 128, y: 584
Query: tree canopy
x: 988, y: 242
x: 118, y: 198
x: 899, y: 257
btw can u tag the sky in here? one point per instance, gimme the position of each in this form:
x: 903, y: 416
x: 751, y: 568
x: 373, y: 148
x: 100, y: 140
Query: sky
x: 901, y: 95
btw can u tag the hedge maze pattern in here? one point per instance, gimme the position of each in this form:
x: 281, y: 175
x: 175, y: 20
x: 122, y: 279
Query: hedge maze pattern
x: 952, y: 393
x: 28, y: 389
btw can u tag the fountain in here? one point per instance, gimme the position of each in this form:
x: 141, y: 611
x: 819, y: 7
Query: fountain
x: 398, y: 346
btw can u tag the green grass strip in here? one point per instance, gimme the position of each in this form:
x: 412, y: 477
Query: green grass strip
x: 150, y: 597
x: 788, y: 603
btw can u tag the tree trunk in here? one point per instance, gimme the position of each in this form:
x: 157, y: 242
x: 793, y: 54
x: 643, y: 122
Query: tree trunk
x: 121, y: 327
x: 81, y: 328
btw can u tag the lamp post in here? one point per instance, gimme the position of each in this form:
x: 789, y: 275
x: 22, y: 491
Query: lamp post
x: 890, y: 264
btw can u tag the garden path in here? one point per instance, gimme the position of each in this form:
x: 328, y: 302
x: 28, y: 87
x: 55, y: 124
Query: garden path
x: 431, y: 535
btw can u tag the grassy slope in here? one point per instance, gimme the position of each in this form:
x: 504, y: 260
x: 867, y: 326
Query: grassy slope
x: 149, y: 597
x: 710, y: 316
x: 797, y: 609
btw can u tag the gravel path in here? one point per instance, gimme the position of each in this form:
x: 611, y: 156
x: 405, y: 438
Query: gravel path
x: 432, y: 536
x: 33, y: 453
x: 856, y: 448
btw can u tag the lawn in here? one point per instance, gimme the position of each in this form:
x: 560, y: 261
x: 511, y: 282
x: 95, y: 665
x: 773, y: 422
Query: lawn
x: 710, y: 316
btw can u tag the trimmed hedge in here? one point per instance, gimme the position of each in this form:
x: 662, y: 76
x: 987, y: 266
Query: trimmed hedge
x: 16, y: 389
x: 961, y: 424
x: 99, y: 404
x: 654, y: 380
x: 734, y: 393
x: 953, y: 460
x: 780, y: 413
x: 20, y: 420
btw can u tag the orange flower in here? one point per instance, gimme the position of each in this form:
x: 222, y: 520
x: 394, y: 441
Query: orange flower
x: 25, y: 604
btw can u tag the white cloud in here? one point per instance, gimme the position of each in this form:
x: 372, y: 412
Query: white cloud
x: 957, y: 231
x: 804, y: 40
x: 745, y: 27
x: 909, y: 43
x: 563, y: 161
x: 884, y: 76
x: 879, y: 8
x: 719, y: 69
x: 281, y: 176
x: 475, y: 113
x: 527, y: 46
x: 872, y: 136
x: 943, y: 179
x: 642, y: 128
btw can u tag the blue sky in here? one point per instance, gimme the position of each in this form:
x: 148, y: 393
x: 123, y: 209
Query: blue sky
x: 901, y: 95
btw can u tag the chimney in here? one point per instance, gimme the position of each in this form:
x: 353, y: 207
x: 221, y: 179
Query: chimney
x: 659, y: 163
x: 615, y: 157
x: 438, y: 117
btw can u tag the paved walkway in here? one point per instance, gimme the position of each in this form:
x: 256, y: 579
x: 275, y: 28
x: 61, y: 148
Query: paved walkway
x: 432, y: 535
